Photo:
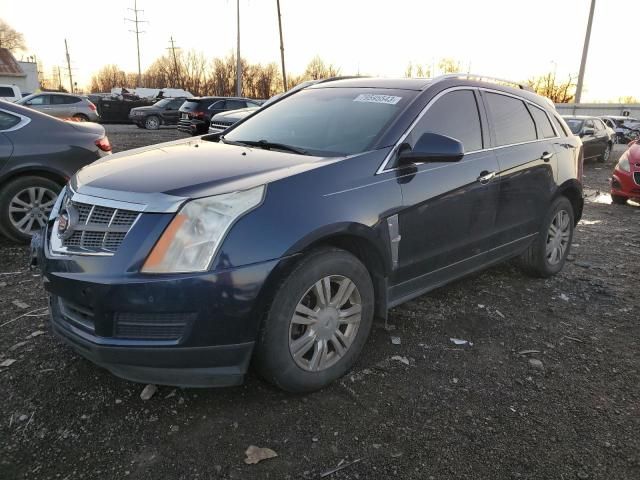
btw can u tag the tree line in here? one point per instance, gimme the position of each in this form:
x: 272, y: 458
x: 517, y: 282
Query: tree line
x: 195, y: 73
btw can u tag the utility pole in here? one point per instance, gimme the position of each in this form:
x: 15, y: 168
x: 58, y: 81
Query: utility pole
x: 585, y: 51
x: 175, y: 59
x: 238, y: 62
x: 59, y: 78
x: 284, y: 72
x: 137, y: 31
x: 68, y: 65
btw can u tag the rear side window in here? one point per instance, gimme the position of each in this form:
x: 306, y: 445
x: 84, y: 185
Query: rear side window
x: 70, y: 99
x: 8, y: 121
x: 511, y: 120
x: 217, y: 105
x: 59, y: 100
x: 454, y: 115
x: 545, y: 130
x: 235, y: 104
x: 6, y: 92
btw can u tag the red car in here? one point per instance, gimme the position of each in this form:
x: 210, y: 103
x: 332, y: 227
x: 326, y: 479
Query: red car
x: 625, y: 181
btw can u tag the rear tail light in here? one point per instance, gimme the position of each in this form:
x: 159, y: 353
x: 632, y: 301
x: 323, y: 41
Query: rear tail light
x: 92, y: 107
x: 103, y: 144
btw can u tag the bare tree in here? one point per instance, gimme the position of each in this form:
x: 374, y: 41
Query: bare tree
x: 557, y: 91
x: 108, y: 77
x: 628, y: 99
x: 317, y: 69
x: 449, y: 65
x: 11, y: 39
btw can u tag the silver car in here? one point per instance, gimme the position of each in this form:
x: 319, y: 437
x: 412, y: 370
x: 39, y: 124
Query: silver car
x: 62, y: 105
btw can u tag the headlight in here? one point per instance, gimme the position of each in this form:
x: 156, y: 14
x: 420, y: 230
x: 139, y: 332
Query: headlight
x: 623, y: 163
x: 192, y: 238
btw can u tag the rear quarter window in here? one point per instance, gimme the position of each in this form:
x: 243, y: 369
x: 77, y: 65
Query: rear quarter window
x: 512, y: 122
x: 8, y: 121
x: 543, y: 124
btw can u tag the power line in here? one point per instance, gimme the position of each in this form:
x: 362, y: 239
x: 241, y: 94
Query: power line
x: 137, y: 31
x: 175, y: 59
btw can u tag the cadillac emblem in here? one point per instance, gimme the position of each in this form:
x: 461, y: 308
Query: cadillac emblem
x: 67, y: 220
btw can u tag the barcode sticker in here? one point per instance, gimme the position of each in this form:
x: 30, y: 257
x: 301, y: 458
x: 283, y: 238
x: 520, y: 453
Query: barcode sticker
x: 372, y: 98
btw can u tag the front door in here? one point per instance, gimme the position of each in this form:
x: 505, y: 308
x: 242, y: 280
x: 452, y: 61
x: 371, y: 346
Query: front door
x: 449, y: 208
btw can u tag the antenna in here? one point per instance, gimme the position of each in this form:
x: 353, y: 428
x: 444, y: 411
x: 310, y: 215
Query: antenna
x: 137, y: 31
x: 175, y: 59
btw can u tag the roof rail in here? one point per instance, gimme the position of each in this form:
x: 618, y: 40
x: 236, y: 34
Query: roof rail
x: 482, y: 78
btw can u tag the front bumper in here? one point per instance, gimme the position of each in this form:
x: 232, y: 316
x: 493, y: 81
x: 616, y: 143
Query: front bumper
x: 190, y: 330
x: 623, y: 184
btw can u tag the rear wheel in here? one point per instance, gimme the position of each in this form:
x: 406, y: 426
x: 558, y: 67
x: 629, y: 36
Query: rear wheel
x: 152, y: 123
x: 547, y: 254
x: 25, y: 205
x: 618, y: 199
x: 318, y: 322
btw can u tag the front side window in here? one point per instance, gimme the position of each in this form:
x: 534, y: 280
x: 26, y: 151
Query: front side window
x: 511, y: 120
x: 39, y: 100
x: 325, y: 121
x: 8, y: 121
x: 454, y: 115
x: 219, y: 105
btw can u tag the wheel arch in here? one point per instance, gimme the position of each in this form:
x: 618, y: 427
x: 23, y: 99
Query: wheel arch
x: 52, y: 175
x: 572, y: 190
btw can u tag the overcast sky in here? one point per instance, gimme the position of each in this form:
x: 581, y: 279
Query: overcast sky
x: 513, y: 39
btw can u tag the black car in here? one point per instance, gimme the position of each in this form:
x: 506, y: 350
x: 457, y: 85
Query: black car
x: 38, y: 155
x: 224, y: 120
x: 278, y: 242
x: 163, y: 112
x: 196, y: 113
x: 596, y: 139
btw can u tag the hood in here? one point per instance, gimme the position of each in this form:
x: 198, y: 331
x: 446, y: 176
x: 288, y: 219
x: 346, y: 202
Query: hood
x: 235, y: 114
x: 148, y: 108
x: 187, y: 169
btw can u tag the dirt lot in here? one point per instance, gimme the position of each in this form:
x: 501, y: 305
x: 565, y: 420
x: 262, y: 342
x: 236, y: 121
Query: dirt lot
x: 453, y: 412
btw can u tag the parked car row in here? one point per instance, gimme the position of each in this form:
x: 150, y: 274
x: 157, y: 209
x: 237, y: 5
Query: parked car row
x: 597, y: 138
x: 38, y: 155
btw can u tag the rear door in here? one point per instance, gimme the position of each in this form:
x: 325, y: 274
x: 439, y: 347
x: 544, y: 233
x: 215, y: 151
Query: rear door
x: 526, y: 176
x: 60, y: 106
x: 449, y: 208
x: 172, y: 111
x: 7, y: 122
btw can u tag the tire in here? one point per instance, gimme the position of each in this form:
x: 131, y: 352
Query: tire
x: 537, y: 260
x: 605, y: 155
x: 618, y: 200
x: 17, y: 196
x: 80, y: 117
x: 322, y: 357
x: 152, y: 122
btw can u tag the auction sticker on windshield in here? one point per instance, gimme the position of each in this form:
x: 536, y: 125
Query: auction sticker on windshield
x: 372, y: 98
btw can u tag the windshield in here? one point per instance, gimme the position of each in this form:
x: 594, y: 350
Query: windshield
x: 162, y: 103
x: 325, y: 122
x: 574, y: 125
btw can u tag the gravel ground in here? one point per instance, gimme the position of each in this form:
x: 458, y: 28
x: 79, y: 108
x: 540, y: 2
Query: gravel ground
x: 549, y: 388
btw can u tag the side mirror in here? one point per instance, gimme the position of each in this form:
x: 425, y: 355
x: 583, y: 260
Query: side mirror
x: 587, y: 131
x: 432, y: 147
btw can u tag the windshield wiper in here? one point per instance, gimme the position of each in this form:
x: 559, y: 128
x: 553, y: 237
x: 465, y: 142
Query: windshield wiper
x: 267, y: 145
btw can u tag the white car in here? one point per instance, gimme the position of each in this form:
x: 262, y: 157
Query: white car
x: 10, y: 93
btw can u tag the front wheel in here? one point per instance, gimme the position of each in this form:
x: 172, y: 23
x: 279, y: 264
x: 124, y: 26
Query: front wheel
x: 547, y: 254
x: 25, y: 205
x: 618, y: 199
x: 152, y: 123
x: 318, y: 322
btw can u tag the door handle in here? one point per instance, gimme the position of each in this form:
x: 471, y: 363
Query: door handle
x: 546, y: 156
x: 485, y: 177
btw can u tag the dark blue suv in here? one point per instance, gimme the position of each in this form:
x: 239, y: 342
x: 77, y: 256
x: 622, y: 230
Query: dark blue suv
x: 279, y: 241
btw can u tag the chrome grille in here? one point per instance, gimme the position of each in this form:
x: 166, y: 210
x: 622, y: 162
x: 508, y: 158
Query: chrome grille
x: 223, y: 125
x: 99, y: 229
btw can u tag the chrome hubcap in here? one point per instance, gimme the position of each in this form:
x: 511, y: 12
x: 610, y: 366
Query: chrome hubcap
x: 558, y: 237
x: 30, y: 208
x: 325, y: 323
x: 152, y: 123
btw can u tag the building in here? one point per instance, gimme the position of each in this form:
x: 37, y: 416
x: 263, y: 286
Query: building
x: 22, y: 74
